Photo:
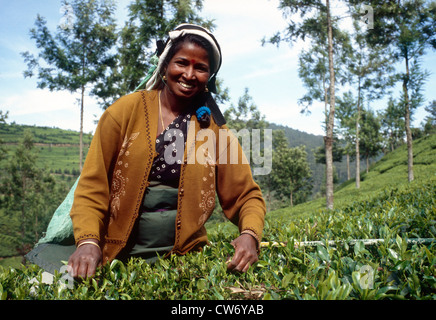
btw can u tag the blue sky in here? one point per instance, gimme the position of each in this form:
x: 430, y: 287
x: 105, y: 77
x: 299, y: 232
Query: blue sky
x: 270, y: 73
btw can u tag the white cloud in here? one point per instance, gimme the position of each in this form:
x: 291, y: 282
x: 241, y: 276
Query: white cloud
x: 246, y: 8
x: 242, y: 24
x: 24, y: 102
x: 283, y: 61
x: 10, y: 75
x: 58, y: 108
x: 16, y: 45
x: 288, y: 113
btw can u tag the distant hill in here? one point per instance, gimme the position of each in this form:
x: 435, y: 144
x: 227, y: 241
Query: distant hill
x: 12, y: 133
x: 311, y: 142
x: 58, y: 148
x: 297, y: 137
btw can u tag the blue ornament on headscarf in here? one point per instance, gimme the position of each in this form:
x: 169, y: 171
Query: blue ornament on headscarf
x: 202, y: 111
x: 203, y: 116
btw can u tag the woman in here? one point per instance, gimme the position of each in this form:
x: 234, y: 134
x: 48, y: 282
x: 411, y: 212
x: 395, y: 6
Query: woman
x: 139, y: 194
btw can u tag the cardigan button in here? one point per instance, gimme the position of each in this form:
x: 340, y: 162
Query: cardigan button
x: 182, y: 191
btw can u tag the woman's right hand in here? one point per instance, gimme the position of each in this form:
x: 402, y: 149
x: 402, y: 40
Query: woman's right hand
x: 85, y: 260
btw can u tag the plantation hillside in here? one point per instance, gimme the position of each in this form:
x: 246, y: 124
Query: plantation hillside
x: 378, y: 243
x: 387, y: 173
x: 58, y: 148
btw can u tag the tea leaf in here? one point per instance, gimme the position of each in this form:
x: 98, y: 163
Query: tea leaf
x: 322, y: 253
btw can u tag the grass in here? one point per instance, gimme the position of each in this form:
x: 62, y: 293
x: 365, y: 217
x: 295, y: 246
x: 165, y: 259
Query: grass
x: 389, y: 172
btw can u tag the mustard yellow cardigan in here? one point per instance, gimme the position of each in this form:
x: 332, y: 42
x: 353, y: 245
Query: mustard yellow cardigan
x: 115, y: 175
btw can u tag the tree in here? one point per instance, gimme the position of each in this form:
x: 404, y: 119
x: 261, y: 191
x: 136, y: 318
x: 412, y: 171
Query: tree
x: 244, y: 119
x: 291, y: 173
x: 371, y: 140
x: 392, y: 122
x: 309, y: 26
x: 417, y: 78
x: 431, y: 109
x: 430, y: 120
x: 338, y: 152
x: 245, y: 115
x: 313, y: 68
x: 149, y: 21
x: 369, y: 71
x: 408, y: 27
x: 3, y: 118
x: 346, y: 115
x: 24, y: 188
x: 78, y: 55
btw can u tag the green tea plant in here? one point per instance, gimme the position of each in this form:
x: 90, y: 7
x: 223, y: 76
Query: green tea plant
x: 393, y: 268
x: 377, y: 244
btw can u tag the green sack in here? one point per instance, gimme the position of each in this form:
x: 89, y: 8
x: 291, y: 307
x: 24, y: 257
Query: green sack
x: 60, y: 228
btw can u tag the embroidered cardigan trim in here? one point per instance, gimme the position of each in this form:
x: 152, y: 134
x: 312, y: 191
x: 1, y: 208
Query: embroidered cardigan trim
x: 239, y: 195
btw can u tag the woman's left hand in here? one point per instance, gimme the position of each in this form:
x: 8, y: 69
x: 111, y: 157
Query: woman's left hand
x: 245, y: 253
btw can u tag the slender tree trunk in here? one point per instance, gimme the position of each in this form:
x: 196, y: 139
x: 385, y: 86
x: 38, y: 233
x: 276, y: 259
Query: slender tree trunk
x: 392, y: 142
x: 407, y: 122
x: 357, y: 139
x: 329, y: 133
x: 326, y: 102
x: 81, y: 130
x: 23, y: 211
x: 367, y: 163
x: 84, y: 43
x: 348, y: 167
x: 35, y: 227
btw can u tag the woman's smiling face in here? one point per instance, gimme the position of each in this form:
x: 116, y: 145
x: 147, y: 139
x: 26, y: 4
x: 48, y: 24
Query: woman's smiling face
x: 188, y: 71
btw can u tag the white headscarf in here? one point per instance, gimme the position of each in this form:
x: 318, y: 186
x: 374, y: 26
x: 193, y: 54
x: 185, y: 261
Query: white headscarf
x: 180, y: 31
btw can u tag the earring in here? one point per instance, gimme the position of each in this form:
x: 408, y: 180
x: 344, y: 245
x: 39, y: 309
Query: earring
x: 164, y: 78
x: 206, y: 89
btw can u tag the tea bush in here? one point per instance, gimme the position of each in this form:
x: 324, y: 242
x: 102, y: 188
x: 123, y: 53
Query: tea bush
x: 348, y: 270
